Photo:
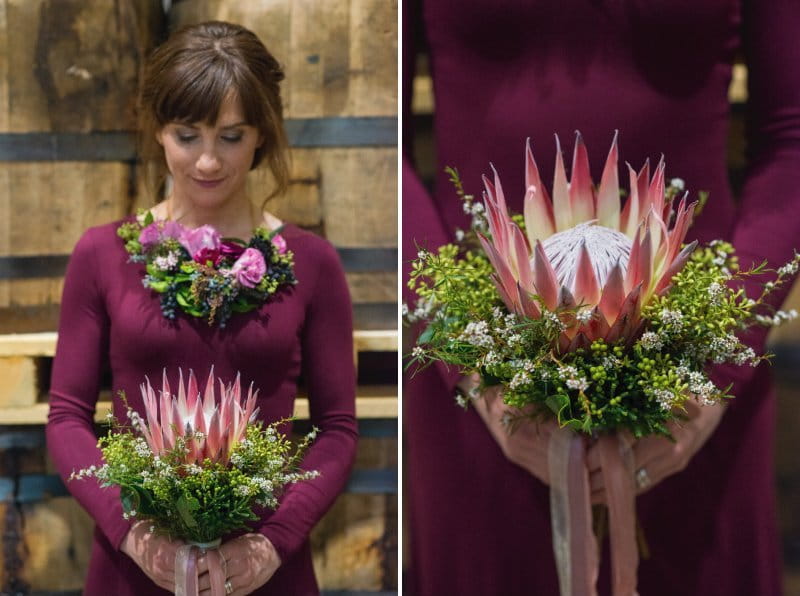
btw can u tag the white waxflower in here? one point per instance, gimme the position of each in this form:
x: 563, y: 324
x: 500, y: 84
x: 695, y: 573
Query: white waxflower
x: 651, y: 341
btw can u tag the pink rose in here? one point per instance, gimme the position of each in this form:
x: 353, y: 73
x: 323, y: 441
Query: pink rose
x: 150, y: 236
x: 279, y: 243
x: 194, y: 241
x: 249, y: 268
x: 158, y: 231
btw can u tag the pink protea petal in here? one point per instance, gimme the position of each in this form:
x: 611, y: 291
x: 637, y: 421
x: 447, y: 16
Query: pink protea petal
x: 544, y: 278
x: 676, y: 265
x: 213, y: 439
x: 529, y: 306
x: 183, y: 407
x: 581, y: 190
x: 538, y: 213
x: 655, y: 192
x: 504, y: 296
x: 642, y: 190
x: 192, y: 393
x: 683, y: 220
x: 498, y: 221
x: 521, y: 258
x: 165, y: 390
x: 608, y: 213
x: 632, y: 271
x: 613, y: 295
x: 598, y: 326
x: 629, y: 220
x: 587, y: 289
x: 561, y: 206
x: 208, y: 397
x: 566, y: 299
x: 579, y: 341
x: 629, y: 310
x: 499, y: 263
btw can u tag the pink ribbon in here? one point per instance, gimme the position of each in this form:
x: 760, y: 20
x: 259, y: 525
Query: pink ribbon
x: 186, y: 569
x: 574, y: 544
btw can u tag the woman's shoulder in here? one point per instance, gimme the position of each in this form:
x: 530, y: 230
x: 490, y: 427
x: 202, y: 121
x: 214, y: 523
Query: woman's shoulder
x: 101, y: 243
x: 307, y: 244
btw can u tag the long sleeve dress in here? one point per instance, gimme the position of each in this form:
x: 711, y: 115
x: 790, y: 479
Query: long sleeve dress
x: 658, y: 71
x: 110, y: 322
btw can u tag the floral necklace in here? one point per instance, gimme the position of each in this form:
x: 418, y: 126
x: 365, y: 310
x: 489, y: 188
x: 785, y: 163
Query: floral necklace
x: 203, y: 274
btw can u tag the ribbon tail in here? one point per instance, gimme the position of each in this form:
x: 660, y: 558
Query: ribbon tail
x: 186, y: 571
x: 616, y: 460
x: 216, y: 572
x: 574, y: 543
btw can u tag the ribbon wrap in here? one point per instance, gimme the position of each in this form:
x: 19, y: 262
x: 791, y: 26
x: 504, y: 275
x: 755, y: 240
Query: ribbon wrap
x: 186, y: 568
x: 574, y: 544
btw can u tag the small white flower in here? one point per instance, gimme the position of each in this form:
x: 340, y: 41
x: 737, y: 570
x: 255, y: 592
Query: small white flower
x: 417, y: 352
x: 520, y: 379
x: 651, y: 341
x: 459, y: 235
x: 584, y: 315
x: 580, y: 384
x: 677, y: 183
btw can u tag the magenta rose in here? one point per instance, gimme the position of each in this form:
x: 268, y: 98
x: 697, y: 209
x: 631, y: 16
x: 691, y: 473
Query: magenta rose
x: 195, y: 241
x: 249, y: 268
x: 231, y: 250
x: 279, y: 243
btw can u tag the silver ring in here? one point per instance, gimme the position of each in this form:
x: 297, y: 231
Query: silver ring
x: 642, y: 479
x: 228, y: 587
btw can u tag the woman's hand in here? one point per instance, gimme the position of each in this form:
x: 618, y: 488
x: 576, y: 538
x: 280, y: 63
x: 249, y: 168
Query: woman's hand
x: 657, y: 457
x: 250, y: 560
x: 153, y: 553
x: 524, y: 444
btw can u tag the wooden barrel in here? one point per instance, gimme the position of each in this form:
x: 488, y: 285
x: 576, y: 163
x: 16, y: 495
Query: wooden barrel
x: 340, y: 95
x: 68, y: 77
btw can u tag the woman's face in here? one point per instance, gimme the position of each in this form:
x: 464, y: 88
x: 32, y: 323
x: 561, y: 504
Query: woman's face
x: 209, y: 163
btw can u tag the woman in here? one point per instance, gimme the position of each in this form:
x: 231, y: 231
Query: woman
x: 210, y: 111
x: 658, y: 72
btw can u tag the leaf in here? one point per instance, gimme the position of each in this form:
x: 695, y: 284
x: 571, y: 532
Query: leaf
x: 158, y: 286
x: 426, y: 335
x: 130, y: 499
x: 557, y: 403
x: 148, y: 218
x: 186, y: 506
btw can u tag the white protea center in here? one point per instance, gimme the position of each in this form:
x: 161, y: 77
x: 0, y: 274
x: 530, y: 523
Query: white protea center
x: 605, y: 246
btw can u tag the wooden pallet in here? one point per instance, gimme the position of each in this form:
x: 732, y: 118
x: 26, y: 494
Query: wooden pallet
x: 24, y: 358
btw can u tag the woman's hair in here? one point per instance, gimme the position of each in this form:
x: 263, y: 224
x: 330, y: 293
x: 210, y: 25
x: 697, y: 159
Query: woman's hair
x: 188, y: 77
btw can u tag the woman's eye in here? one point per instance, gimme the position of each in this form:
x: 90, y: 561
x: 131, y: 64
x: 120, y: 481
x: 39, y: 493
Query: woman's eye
x: 232, y: 138
x: 186, y: 138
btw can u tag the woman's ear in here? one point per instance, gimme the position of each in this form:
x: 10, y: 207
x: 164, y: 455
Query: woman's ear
x: 160, y: 136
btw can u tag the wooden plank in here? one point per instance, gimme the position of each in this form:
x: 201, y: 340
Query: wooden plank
x: 44, y: 344
x: 373, y: 57
x: 372, y: 404
x: 19, y: 387
x: 363, y: 182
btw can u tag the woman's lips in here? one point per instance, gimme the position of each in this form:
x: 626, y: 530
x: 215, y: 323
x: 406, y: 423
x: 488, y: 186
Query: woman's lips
x: 208, y: 183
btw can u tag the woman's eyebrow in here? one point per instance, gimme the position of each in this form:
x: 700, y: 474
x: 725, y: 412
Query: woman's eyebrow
x: 234, y: 125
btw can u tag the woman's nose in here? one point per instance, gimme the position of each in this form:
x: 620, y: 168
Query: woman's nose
x: 208, y: 161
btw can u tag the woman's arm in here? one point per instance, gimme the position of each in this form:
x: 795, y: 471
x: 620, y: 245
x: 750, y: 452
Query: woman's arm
x: 81, y: 356
x: 327, y: 353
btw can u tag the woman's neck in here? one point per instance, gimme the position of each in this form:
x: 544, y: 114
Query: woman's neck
x: 237, y: 219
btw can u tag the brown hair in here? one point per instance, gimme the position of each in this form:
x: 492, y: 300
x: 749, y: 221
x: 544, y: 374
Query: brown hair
x: 187, y: 78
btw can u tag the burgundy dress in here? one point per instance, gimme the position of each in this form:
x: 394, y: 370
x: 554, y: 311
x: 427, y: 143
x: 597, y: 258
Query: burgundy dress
x: 658, y: 71
x: 110, y: 321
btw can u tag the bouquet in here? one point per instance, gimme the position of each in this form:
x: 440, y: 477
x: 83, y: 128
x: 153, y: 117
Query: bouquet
x: 197, y: 466
x: 594, y: 314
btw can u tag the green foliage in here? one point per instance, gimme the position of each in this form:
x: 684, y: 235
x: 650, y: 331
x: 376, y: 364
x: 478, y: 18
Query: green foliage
x: 199, y: 503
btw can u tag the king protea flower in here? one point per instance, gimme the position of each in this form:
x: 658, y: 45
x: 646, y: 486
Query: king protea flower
x: 584, y: 256
x: 210, y: 427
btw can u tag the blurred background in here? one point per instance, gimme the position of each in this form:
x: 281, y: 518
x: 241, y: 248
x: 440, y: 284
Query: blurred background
x: 68, y: 82
x: 784, y: 342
